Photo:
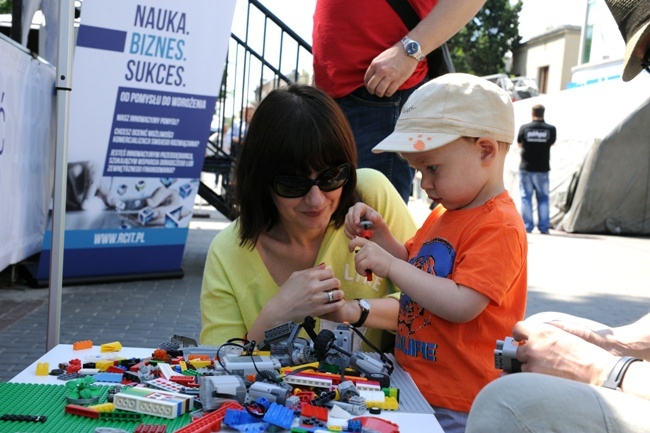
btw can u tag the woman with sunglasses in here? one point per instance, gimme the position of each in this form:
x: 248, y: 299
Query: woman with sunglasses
x: 286, y: 256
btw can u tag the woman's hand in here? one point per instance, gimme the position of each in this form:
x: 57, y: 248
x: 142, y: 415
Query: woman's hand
x: 310, y: 292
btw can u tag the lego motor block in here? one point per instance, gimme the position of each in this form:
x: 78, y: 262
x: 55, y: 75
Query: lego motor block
x: 505, y: 356
x: 215, y: 390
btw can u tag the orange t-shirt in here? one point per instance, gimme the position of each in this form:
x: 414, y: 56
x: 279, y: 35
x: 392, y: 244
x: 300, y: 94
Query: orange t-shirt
x: 485, y: 249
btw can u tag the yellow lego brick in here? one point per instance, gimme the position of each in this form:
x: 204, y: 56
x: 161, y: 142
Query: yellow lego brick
x: 183, y: 365
x: 389, y: 403
x: 42, y: 369
x: 335, y: 428
x: 197, y: 363
x: 115, y: 346
x: 103, y: 365
x: 104, y: 407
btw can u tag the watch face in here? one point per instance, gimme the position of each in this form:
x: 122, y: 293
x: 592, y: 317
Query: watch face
x: 412, y: 48
x: 364, y: 304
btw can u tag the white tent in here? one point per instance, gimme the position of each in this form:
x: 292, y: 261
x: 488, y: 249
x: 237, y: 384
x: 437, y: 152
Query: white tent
x: 595, y: 124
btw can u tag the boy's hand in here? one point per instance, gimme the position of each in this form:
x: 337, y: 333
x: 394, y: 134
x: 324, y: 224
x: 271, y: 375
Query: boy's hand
x: 370, y: 257
x: 362, y: 212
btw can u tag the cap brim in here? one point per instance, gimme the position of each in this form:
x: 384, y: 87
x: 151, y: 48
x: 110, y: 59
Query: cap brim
x: 408, y: 142
x: 633, y: 63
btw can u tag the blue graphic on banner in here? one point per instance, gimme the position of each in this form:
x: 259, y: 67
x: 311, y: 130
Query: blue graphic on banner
x: 101, y: 39
x: 158, y: 134
x: 118, y: 252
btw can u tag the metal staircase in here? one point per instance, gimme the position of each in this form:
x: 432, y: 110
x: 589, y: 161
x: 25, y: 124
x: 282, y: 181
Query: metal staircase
x: 264, y: 54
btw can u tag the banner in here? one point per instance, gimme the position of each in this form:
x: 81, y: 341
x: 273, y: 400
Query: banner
x: 146, y: 77
x: 26, y: 154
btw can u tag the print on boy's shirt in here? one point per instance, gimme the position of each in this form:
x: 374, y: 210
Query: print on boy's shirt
x: 435, y: 257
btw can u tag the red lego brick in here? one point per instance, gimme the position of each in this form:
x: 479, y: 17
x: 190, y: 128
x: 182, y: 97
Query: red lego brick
x: 210, y: 422
x: 309, y: 411
x: 150, y: 428
x: 75, y: 409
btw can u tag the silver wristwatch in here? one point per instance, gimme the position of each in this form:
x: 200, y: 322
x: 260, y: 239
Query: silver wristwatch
x: 412, y: 48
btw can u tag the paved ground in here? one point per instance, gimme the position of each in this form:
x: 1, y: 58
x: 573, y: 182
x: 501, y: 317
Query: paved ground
x: 604, y: 278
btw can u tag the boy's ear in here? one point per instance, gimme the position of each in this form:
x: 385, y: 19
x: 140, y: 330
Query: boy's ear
x: 489, y: 148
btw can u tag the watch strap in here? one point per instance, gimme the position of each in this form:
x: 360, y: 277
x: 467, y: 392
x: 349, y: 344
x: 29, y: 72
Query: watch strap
x: 618, y: 372
x: 364, y: 315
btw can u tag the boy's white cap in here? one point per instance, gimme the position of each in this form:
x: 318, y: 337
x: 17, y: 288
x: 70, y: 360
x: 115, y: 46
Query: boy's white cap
x: 449, y: 107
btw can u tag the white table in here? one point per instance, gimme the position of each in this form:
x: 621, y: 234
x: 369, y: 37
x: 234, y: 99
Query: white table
x: 408, y: 422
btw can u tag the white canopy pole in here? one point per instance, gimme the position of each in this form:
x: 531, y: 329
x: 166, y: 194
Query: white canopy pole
x: 63, y: 88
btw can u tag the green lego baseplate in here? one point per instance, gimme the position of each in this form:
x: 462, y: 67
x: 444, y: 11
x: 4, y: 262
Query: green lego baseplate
x: 50, y: 401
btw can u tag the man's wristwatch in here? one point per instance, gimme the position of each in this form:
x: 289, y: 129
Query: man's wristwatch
x: 412, y: 48
x: 365, y: 310
x: 618, y: 372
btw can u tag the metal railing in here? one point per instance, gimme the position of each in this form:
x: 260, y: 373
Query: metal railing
x: 264, y: 54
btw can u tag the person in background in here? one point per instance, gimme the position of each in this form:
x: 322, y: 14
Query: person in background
x: 239, y: 129
x: 367, y: 59
x: 456, y: 130
x: 286, y: 256
x: 535, y: 140
x: 578, y: 375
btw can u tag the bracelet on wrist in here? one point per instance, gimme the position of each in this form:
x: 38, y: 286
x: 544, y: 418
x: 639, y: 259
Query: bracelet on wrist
x: 617, y: 374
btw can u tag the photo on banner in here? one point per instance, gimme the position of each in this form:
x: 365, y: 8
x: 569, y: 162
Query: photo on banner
x: 146, y: 77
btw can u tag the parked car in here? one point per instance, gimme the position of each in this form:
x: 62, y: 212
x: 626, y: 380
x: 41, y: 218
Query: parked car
x: 525, y: 87
x: 503, y: 81
x: 518, y: 88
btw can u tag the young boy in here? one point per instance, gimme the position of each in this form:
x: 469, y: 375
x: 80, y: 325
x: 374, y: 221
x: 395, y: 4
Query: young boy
x: 456, y: 130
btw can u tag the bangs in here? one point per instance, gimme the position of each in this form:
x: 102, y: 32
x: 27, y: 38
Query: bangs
x: 305, y: 145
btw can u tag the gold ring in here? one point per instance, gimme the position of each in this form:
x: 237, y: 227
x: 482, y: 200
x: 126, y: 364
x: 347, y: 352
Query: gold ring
x: 330, y: 297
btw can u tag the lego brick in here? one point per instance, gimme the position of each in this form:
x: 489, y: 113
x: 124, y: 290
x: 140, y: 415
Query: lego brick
x: 238, y: 417
x: 42, y: 369
x: 115, y: 346
x: 279, y: 415
x: 150, y: 428
x: 109, y: 377
x: 153, y: 402
x: 166, y: 370
x: 165, y: 385
x: 210, y: 422
x: 120, y: 416
x: 75, y: 409
x: 309, y: 411
x: 81, y: 345
x: 22, y: 418
x: 103, y: 407
x: 307, y: 381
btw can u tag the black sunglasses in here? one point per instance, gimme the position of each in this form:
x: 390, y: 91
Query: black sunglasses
x: 298, y: 186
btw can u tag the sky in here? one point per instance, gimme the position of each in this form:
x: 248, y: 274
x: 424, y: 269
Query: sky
x: 537, y: 16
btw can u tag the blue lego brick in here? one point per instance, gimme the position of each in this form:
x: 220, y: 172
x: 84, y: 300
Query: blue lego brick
x: 108, y: 377
x: 237, y: 417
x: 279, y: 415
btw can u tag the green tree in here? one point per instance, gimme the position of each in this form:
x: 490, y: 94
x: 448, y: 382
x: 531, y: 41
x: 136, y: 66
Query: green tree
x: 479, y: 47
x: 5, y: 6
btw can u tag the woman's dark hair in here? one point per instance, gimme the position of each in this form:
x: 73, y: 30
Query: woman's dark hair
x: 295, y: 130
